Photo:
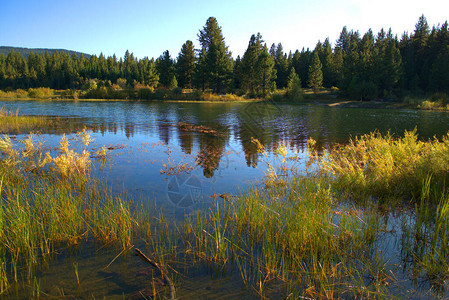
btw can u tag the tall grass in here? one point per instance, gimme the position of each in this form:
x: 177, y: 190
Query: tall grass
x: 48, y: 202
x: 424, y: 242
x: 12, y: 122
x: 302, y: 232
x: 292, y: 231
x: 384, y: 166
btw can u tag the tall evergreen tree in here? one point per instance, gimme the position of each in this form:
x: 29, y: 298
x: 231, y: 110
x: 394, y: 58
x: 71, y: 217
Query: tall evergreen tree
x: 185, y: 65
x: 257, y: 68
x: 166, y: 69
x: 129, y: 68
x: 315, y: 73
x: 294, y: 88
x: 218, y: 61
x: 282, y: 67
x: 248, y: 69
x: 266, y: 72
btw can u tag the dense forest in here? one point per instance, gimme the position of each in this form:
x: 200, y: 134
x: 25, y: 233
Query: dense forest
x: 26, y: 51
x: 367, y: 66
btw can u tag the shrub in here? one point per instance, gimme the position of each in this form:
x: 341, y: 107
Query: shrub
x: 145, y: 93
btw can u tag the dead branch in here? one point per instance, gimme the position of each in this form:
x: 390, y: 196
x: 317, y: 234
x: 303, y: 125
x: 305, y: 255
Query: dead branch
x: 156, y: 265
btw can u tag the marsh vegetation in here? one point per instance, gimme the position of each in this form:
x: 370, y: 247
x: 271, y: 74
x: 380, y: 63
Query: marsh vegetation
x: 362, y: 218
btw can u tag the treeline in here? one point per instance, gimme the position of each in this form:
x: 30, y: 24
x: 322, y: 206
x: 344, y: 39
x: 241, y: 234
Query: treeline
x: 364, y: 66
x: 26, y: 51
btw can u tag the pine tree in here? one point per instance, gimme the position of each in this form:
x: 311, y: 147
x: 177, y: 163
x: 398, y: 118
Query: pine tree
x: 185, y: 65
x: 266, y: 72
x: 257, y: 73
x: 281, y: 65
x: 129, y: 68
x: 166, y: 69
x: 248, y: 71
x: 200, y: 74
x: 315, y: 73
x: 150, y: 76
x: 218, y: 61
x: 294, y: 89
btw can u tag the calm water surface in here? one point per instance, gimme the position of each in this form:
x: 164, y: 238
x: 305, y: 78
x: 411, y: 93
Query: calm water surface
x: 214, y: 139
x: 211, y: 143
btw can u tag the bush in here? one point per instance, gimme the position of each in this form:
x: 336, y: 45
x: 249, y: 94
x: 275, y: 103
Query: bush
x: 70, y: 94
x: 441, y: 98
x: 385, y: 167
x: 176, y: 91
x: 277, y: 97
x: 40, y: 93
x: 145, y: 93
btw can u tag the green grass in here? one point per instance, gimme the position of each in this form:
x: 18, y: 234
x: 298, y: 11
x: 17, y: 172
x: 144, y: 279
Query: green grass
x: 314, y: 234
x: 319, y: 234
x: 48, y: 203
x: 388, y: 167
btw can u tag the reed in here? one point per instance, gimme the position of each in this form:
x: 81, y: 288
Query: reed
x: 387, y: 167
x: 50, y: 202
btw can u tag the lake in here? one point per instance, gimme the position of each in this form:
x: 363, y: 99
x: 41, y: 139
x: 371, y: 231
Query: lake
x: 176, y: 155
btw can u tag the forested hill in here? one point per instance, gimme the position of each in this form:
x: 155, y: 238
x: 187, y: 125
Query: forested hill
x: 26, y: 51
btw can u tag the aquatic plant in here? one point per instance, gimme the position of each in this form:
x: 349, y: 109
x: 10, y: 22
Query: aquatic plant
x: 48, y: 203
x: 387, y: 167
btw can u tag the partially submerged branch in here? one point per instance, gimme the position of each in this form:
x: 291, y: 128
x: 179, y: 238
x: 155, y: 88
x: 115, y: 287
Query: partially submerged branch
x: 156, y: 265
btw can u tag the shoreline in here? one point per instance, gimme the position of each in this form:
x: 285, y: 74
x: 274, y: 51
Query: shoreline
x: 329, y: 102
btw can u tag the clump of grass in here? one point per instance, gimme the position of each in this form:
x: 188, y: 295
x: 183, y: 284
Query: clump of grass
x: 12, y: 122
x: 50, y: 202
x: 431, y: 105
x: 292, y: 230
x: 31, y: 157
x: 17, y: 94
x: 424, y: 241
x: 384, y: 166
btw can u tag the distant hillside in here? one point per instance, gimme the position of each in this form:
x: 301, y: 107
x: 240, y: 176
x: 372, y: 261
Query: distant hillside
x: 25, y: 51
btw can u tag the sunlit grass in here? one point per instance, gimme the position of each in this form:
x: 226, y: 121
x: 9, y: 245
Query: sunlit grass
x: 313, y: 233
x: 385, y: 166
x: 305, y: 232
x: 12, y: 122
x: 49, y: 202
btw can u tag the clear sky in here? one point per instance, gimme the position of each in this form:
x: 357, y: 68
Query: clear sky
x: 147, y: 27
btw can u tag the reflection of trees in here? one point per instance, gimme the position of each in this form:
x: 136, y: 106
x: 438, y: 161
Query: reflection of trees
x: 185, y: 141
x: 129, y: 130
x: 210, y: 154
x: 164, y: 131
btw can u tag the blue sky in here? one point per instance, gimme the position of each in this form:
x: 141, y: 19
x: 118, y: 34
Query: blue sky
x: 147, y: 28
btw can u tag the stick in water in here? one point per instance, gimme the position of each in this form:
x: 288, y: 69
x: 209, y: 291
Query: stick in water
x: 155, y: 264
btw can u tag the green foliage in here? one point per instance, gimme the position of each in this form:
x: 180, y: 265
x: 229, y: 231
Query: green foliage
x: 364, y: 66
x: 166, y: 69
x: 294, y: 90
x: 215, y: 58
x: 315, y: 73
x: 387, y: 167
x: 281, y: 65
x: 256, y: 70
x: 40, y: 93
x: 185, y: 65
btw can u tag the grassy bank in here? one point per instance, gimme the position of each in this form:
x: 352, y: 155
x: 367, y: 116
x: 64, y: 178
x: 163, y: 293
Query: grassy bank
x: 328, y: 97
x: 103, y: 93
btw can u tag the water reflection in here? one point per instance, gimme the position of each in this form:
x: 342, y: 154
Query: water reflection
x: 212, y: 134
